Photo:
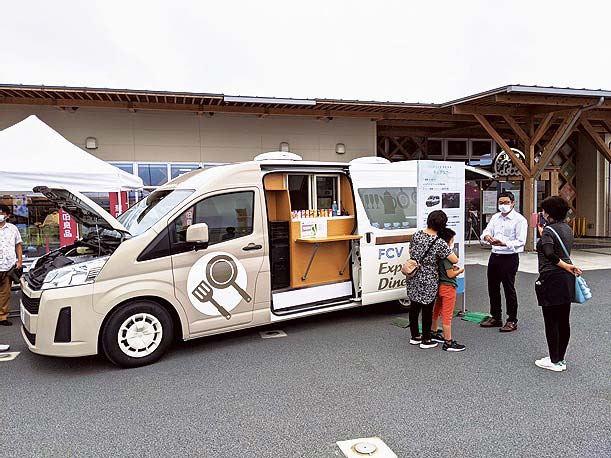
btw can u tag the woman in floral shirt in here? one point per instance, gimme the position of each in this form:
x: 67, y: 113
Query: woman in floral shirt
x: 427, y: 249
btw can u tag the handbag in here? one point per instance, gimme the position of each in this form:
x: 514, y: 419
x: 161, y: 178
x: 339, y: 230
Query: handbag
x: 15, y: 273
x: 582, y: 290
x: 411, y: 266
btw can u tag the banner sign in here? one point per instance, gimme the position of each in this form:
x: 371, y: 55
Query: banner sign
x: 68, y: 232
x: 441, y: 186
x: 114, y: 203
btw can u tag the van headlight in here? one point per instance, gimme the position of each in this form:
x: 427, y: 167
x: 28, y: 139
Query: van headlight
x: 74, y: 274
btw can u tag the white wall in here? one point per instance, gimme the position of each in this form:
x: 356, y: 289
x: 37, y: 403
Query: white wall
x: 184, y: 137
x: 592, y: 187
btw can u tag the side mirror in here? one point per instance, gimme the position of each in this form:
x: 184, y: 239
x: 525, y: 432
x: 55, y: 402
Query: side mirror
x: 198, y: 235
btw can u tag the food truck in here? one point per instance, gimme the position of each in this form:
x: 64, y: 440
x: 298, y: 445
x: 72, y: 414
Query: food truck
x: 231, y: 247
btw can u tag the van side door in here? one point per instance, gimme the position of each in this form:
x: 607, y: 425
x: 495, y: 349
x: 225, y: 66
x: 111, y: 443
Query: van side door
x: 216, y: 284
x: 386, y: 208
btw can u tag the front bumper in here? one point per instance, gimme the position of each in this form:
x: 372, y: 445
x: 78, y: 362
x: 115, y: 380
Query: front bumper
x: 60, y: 322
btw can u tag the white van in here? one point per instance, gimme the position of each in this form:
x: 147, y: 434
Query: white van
x: 222, y: 249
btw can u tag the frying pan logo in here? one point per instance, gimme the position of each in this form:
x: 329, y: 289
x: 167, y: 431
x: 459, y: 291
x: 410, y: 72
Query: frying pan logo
x: 217, y: 284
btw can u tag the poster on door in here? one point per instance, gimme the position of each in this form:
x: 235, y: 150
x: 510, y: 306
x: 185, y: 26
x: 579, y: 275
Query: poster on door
x: 67, y: 229
x: 441, y: 186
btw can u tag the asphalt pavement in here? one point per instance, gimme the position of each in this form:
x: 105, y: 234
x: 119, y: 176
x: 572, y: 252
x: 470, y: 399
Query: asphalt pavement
x: 334, y: 377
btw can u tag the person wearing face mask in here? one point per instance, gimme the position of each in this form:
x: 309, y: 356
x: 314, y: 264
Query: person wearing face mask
x: 10, y: 256
x: 506, y: 232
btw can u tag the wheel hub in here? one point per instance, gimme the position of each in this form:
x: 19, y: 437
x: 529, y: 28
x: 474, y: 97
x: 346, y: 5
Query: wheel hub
x: 140, y: 335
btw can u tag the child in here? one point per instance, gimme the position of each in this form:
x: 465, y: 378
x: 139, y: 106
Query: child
x: 446, y: 298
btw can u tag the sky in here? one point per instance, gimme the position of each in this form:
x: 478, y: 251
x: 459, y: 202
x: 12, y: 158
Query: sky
x: 403, y: 51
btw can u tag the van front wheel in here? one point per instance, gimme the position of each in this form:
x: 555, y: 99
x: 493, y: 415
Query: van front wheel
x: 137, y: 333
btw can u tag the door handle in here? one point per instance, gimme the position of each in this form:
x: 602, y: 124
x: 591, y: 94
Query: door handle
x: 252, y: 246
x: 368, y: 236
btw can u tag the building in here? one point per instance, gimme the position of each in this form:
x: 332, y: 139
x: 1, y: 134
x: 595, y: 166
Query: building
x: 541, y: 140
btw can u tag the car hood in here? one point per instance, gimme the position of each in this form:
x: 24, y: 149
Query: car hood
x: 84, y: 210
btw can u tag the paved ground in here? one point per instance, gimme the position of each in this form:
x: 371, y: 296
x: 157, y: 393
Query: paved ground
x: 335, y: 377
x: 585, y: 259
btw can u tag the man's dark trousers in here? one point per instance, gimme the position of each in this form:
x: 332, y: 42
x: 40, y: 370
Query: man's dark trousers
x: 502, y: 269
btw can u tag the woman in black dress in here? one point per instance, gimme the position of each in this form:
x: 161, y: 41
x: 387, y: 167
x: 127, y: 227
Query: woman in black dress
x: 426, y: 248
x: 555, y: 286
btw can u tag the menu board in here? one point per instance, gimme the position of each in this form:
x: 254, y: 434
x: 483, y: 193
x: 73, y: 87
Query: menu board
x: 441, y: 186
x: 313, y: 228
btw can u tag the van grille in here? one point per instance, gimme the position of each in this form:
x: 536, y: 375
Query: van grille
x: 31, y: 304
x: 31, y: 337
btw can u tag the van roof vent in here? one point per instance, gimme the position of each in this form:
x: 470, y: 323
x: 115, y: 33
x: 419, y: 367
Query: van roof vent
x: 370, y: 160
x: 278, y: 156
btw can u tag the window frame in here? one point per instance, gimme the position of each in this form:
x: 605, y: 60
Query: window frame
x: 309, y: 181
x: 177, y: 247
x: 315, y: 191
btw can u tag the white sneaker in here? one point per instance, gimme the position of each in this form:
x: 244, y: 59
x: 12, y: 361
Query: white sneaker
x: 4, y: 347
x: 546, y: 363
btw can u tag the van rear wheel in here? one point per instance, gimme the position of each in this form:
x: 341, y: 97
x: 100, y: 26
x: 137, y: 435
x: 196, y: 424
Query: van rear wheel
x: 136, y: 334
x: 403, y: 304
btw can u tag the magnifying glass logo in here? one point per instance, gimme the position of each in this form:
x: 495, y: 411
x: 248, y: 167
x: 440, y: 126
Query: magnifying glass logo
x: 221, y: 273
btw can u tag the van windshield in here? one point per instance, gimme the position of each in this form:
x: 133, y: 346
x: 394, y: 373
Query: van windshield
x: 148, y: 211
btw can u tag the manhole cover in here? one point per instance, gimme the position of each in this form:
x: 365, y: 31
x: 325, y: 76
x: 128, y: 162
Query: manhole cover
x: 365, y: 448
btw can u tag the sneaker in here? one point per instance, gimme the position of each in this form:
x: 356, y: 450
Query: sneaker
x: 437, y: 336
x: 546, y: 363
x: 4, y: 347
x: 429, y: 344
x: 452, y: 345
x: 415, y: 340
x: 547, y: 360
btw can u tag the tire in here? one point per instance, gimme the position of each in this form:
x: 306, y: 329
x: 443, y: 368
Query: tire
x: 403, y: 304
x: 137, y: 333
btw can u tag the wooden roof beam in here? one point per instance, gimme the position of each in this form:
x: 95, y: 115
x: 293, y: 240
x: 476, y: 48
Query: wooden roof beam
x: 517, y: 129
x: 550, y: 150
x: 489, y: 110
x: 499, y: 139
x: 596, y: 139
x: 552, y: 100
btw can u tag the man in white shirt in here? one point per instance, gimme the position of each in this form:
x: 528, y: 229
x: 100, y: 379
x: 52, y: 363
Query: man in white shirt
x: 10, y: 255
x: 506, y: 232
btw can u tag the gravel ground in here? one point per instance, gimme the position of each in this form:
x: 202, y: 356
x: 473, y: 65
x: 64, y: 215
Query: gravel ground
x: 335, y: 377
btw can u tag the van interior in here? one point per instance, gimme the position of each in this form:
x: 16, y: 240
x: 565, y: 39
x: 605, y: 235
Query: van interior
x: 305, y: 271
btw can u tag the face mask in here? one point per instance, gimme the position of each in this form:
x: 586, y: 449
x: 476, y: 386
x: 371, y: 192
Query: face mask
x: 2, y: 218
x: 452, y: 246
x: 505, y: 208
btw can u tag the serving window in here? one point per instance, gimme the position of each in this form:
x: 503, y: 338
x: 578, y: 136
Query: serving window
x: 313, y: 192
x: 390, y: 208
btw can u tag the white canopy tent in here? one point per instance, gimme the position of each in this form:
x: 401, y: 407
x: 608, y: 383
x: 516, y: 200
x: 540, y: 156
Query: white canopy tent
x: 33, y: 154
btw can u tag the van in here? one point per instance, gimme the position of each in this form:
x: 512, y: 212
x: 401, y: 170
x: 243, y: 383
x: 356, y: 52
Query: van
x: 222, y: 249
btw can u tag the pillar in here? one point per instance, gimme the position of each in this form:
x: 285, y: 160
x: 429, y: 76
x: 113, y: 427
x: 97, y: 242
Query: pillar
x: 529, y: 209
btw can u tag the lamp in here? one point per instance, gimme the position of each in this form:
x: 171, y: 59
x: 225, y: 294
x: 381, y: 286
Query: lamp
x: 91, y: 143
x: 284, y: 147
x: 340, y: 148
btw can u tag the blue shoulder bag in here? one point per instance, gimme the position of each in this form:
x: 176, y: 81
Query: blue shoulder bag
x: 582, y: 290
